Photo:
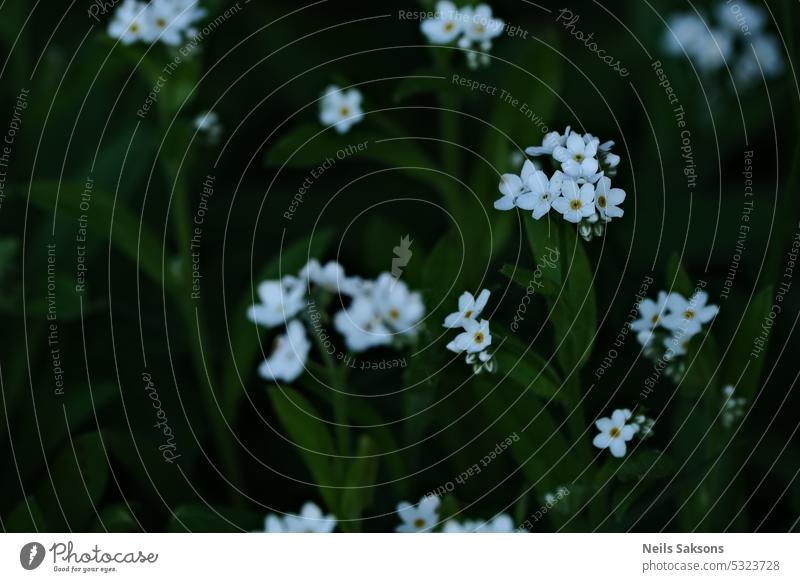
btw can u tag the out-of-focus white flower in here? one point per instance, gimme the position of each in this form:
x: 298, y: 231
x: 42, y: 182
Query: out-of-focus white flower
x: 128, y: 23
x: 576, y: 202
x: 615, y: 432
x: 732, y: 408
x: 331, y: 277
x: 688, y: 317
x: 469, y: 307
x: 762, y: 57
x: 499, y: 524
x: 608, y: 199
x: 677, y: 345
x: 741, y: 17
x: 513, y: 186
x: 578, y: 157
x: 288, y: 358
x: 480, y: 26
x: 280, y: 301
x: 422, y: 517
x: 446, y: 24
x: 541, y: 193
x: 341, y: 109
x: 310, y: 520
x: 208, y: 123
x: 645, y: 424
x: 475, y: 338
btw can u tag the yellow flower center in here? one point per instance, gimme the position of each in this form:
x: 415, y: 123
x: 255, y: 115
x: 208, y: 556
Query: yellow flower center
x: 654, y: 319
x: 479, y: 28
x: 344, y: 111
x: 601, y: 201
x: 579, y: 158
x: 479, y: 337
x: 688, y: 314
x: 393, y: 313
x: 614, y: 432
x: 134, y: 28
x: 449, y: 27
x: 161, y: 23
x: 419, y: 523
x: 575, y: 204
x: 468, y: 314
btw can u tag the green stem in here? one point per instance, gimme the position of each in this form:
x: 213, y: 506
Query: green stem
x: 336, y: 376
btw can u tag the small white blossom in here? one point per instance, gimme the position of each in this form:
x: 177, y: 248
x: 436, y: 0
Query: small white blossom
x: 280, y: 301
x: 288, y: 358
x: 615, y: 432
x: 128, y: 22
x: 401, y: 308
x: 446, y: 25
x: 541, y: 193
x: 480, y: 26
x: 361, y: 326
x: 576, y: 202
x: 689, y: 316
x: 475, y: 338
x: 331, y: 277
x: 341, y: 109
x: 732, y: 408
x: 513, y: 186
x: 499, y: 524
x: 208, y: 123
x: 651, y: 313
x: 578, y: 157
x: 420, y: 518
x: 550, y: 142
x: 608, y: 199
x: 469, y: 307
x: 310, y: 520
x: 168, y: 21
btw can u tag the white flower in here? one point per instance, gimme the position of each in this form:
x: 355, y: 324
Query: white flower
x: 479, y: 25
x: 420, y: 518
x: 331, y: 277
x: 576, y: 202
x: 280, y: 301
x: 713, y: 49
x: 288, y: 358
x: 741, y: 14
x: 687, y: 317
x: 499, y: 524
x: 361, y: 326
x: 446, y: 25
x: 128, y: 23
x: 475, y: 338
x: 513, y: 186
x: 608, y: 199
x: 399, y: 307
x: 310, y: 520
x: 615, y: 432
x: 645, y: 336
x: 578, y: 157
x: 468, y: 308
x: 767, y: 58
x: 341, y: 109
x: 542, y: 192
x: 651, y: 313
x: 550, y: 142
x: 677, y: 345
x: 645, y: 424
x: 683, y: 34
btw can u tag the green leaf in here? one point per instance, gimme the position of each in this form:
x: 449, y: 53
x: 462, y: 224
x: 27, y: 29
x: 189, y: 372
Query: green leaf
x: 310, y: 435
x: 676, y: 277
x: 360, y: 477
x: 532, y: 373
x: 205, y: 519
x: 26, y: 517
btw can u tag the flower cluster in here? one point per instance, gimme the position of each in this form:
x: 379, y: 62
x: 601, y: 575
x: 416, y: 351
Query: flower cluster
x: 666, y: 326
x: 617, y: 431
x: 580, y: 190
x: 732, y: 408
x: 424, y: 517
x: 381, y: 313
x: 738, y: 39
x: 475, y: 338
x: 168, y: 21
x: 310, y: 520
x: 340, y: 109
x: 469, y: 25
